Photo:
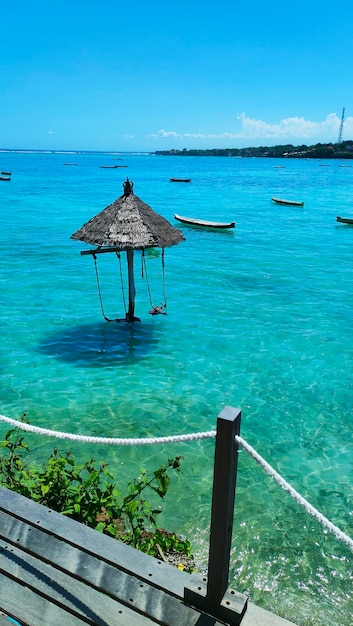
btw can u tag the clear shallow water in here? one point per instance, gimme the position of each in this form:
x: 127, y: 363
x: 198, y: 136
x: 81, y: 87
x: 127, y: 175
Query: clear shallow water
x: 258, y: 318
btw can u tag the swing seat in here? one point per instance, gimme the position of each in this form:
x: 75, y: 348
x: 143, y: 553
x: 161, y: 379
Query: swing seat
x: 158, y: 310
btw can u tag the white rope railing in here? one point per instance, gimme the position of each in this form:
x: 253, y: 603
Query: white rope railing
x: 295, y: 495
x: 118, y: 441
x: 339, y: 534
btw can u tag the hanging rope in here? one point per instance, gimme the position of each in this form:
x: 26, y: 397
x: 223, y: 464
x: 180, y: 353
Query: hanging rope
x: 155, y: 310
x: 163, y: 280
x: 99, y: 289
x: 107, y: 319
x: 122, y: 281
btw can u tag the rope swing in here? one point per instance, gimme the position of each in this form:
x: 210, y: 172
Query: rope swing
x: 107, y: 319
x: 160, y: 309
x: 155, y: 309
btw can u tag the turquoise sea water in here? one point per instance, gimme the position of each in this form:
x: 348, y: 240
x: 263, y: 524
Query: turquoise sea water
x: 259, y: 318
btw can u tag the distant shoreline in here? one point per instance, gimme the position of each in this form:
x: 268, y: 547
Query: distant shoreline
x: 343, y: 150
x: 33, y: 151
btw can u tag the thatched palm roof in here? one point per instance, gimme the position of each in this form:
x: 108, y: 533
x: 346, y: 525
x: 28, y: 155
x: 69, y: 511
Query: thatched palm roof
x: 129, y: 223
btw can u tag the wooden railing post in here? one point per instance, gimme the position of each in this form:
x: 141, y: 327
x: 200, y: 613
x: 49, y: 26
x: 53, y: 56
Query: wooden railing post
x: 224, y: 483
x: 213, y: 598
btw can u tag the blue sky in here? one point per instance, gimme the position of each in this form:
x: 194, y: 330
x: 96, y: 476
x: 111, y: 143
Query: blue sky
x: 149, y: 75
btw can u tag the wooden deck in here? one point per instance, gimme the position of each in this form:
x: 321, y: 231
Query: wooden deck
x: 55, y: 571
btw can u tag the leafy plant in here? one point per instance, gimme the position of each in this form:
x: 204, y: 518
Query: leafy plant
x: 87, y: 493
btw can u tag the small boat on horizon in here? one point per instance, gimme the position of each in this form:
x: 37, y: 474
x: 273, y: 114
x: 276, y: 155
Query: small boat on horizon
x: 5, y: 173
x: 180, y: 180
x: 5, y: 177
x: 282, y: 201
x: 345, y: 220
x: 205, y: 223
x: 112, y: 167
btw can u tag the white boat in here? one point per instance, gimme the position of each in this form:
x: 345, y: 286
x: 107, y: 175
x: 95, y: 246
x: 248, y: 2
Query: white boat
x: 282, y: 201
x: 205, y: 223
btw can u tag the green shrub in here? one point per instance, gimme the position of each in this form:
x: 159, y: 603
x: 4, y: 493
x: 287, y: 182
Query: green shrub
x: 87, y: 493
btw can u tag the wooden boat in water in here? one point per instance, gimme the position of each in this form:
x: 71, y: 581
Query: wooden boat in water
x: 112, y: 167
x: 282, y: 201
x: 5, y: 173
x: 180, y: 180
x: 205, y: 223
x: 345, y: 220
x: 5, y: 177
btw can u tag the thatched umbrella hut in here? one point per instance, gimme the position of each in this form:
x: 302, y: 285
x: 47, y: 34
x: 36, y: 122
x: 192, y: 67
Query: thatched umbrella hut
x: 128, y: 224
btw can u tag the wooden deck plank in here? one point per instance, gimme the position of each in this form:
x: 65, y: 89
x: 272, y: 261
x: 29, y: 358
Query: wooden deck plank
x: 5, y: 621
x: 53, y: 586
x: 255, y: 616
x: 88, y: 541
x: 83, y: 599
x: 78, y: 578
x: 31, y: 609
x: 96, y: 544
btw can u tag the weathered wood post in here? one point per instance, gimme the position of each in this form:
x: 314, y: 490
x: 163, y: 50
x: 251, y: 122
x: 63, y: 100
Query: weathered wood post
x: 130, y: 315
x: 224, y: 484
x: 214, y: 597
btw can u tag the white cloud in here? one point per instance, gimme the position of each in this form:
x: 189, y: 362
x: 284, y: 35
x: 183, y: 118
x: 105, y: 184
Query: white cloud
x: 129, y: 136
x: 50, y: 132
x: 165, y: 133
x: 288, y: 130
x: 195, y: 135
x: 173, y: 134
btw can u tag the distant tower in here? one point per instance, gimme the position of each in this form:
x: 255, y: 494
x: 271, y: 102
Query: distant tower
x: 341, y: 127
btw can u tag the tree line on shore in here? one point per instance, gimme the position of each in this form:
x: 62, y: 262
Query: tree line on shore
x: 343, y: 150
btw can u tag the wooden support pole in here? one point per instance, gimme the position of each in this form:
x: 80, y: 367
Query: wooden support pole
x: 214, y: 597
x: 132, y: 291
